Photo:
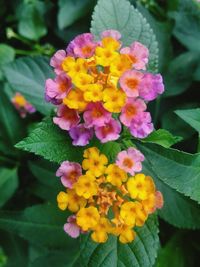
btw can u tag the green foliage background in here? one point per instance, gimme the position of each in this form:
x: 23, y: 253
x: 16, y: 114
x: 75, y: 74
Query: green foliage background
x: 31, y: 231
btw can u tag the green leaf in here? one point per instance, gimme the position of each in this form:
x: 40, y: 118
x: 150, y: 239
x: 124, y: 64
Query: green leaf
x: 178, y: 250
x: 141, y: 252
x: 187, y: 24
x: 40, y: 224
x: 48, y: 185
x: 71, y: 10
x: 179, y: 170
x: 31, y: 20
x: 7, y: 54
x: 27, y: 75
x: 49, y: 141
x: 122, y: 16
x: 12, y: 126
x: 180, y: 73
x: 191, y: 116
x: 174, y: 124
x: 8, y: 184
x: 55, y: 259
x: 178, y: 210
x: 15, y: 249
x: 163, y: 138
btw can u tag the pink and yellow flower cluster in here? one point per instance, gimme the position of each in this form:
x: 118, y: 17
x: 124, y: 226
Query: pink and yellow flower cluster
x: 107, y: 198
x: 100, y: 86
x: 22, y: 105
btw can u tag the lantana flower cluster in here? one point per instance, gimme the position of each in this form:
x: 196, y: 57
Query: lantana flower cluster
x: 101, y: 86
x: 22, y: 105
x: 107, y: 198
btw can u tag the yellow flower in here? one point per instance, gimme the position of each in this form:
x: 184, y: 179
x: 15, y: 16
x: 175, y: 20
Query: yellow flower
x: 95, y: 162
x: 132, y: 213
x: 86, y: 186
x: 120, y: 65
x: 87, y: 218
x: 110, y: 43
x: 149, y: 203
x: 75, y: 100
x: 70, y: 200
x: 74, y: 67
x: 140, y: 186
x: 101, y: 230
x: 114, y: 99
x: 115, y: 175
x: 90, y: 152
x: 94, y: 93
x: 62, y: 199
x: 82, y: 81
x: 127, y: 235
x: 19, y: 100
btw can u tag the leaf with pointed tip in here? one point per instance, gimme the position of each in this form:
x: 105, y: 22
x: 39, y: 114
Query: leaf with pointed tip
x: 191, y: 116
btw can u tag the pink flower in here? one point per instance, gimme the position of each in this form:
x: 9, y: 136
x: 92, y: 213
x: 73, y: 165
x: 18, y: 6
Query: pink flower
x: 110, y: 131
x: 66, y: 118
x: 81, y: 135
x: 71, y: 227
x: 111, y: 33
x: 151, y: 86
x: 56, y: 61
x: 82, y: 46
x: 96, y: 115
x: 69, y: 173
x: 57, y: 89
x: 131, y: 109
x: 138, y: 54
x: 130, y: 82
x: 141, y: 125
x: 130, y: 160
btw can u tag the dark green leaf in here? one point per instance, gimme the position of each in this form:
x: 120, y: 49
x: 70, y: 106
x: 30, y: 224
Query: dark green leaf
x: 40, y: 224
x: 180, y: 73
x: 49, y: 141
x: 121, y: 16
x: 179, y: 170
x: 27, y: 75
x: 31, y: 20
x: 72, y: 10
x: 191, y: 116
x: 7, y: 54
x: 163, y: 138
x: 141, y: 252
x: 12, y: 127
x: 8, y: 184
x: 178, y: 209
x: 15, y: 249
x: 187, y: 24
x: 176, y: 249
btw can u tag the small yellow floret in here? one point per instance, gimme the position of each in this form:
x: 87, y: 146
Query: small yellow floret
x: 93, y: 93
x: 140, y: 186
x: 101, y: 230
x: 87, y: 218
x: 132, y: 213
x: 75, y: 100
x: 86, y: 186
x: 74, y: 67
x: 114, y: 99
x: 115, y: 175
x: 95, y: 163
